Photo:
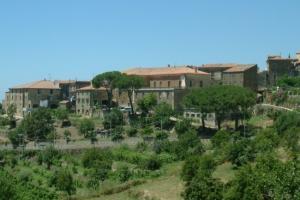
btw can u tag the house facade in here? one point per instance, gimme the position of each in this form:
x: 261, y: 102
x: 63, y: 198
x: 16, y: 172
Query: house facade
x: 32, y: 95
x: 279, y: 66
x: 169, y: 84
x: 69, y: 87
x: 244, y: 75
x: 89, y: 100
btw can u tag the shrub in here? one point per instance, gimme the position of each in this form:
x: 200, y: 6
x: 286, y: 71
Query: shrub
x: 130, y: 156
x: 286, y: 121
x: 182, y: 126
x: 131, y: 132
x: 193, y: 164
x: 141, y: 146
x: 25, y: 176
x: 113, y: 119
x: 100, y: 170
x: 92, y: 156
x: 49, y: 156
x: 162, y: 135
x: 123, y: 173
x: 63, y: 181
x: 117, y: 134
x: 152, y: 164
x: 220, y: 139
x: 241, y: 152
x: 86, y: 126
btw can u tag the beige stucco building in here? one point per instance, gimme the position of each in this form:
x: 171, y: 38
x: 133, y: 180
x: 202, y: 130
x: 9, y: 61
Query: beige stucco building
x: 32, y: 95
x: 169, y: 84
x: 69, y: 87
x: 89, y: 100
x: 244, y: 75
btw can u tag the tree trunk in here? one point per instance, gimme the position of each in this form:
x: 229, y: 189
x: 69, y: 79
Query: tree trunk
x: 203, y: 122
x: 219, y: 123
x: 108, y: 99
x: 130, y: 92
x: 236, y: 123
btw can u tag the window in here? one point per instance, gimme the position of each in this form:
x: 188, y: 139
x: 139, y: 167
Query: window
x: 201, y: 84
x: 179, y: 84
x: 155, y: 84
x: 38, y: 91
x: 51, y: 91
x: 169, y: 84
x: 191, y: 83
x: 160, y: 84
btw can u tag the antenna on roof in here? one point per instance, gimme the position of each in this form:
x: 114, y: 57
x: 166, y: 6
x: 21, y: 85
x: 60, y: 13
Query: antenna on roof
x: 289, y: 55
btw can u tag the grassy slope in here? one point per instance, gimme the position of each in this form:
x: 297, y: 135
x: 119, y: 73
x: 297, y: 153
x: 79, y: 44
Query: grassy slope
x: 167, y: 187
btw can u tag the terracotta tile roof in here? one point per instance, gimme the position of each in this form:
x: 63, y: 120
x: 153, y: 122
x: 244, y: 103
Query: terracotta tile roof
x: 44, y: 84
x: 219, y: 65
x: 163, y: 71
x: 90, y: 88
x: 280, y: 58
x: 64, y: 81
x: 240, y: 68
x: 228, y: 67
x: 69, y: 81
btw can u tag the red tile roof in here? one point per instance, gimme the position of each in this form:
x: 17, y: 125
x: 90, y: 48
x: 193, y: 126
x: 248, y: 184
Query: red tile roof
x: 163, y: 71
x: 44, y: 84
x: 230, y: 67
x: 90, y: 88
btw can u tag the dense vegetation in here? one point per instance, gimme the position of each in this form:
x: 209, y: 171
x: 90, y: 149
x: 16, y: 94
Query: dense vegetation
x: 240, y: 160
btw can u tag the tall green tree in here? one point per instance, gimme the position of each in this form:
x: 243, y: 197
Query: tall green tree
x: 86, y: 127
x: 38, y: 125
x: 147, y: 103
x: 108, y: 81
x: 129, y: 83
x: 221, y: 100
x: 11, y: 112
x: 162, y: 114
x: 269, y: 178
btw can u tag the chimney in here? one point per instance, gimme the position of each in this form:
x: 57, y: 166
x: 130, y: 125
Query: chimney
x: 169, y: 65
x: 196, y: 70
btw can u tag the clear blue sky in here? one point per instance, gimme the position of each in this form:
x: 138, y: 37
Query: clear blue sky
x: 67, y: 39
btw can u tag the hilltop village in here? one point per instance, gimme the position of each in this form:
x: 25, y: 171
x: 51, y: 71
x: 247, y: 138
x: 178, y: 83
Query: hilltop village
x: 169, y: 84
x: 209, y: 132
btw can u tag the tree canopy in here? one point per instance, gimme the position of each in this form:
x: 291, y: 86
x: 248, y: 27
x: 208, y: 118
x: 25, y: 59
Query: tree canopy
x: 108, y: 81
x: 129, y: 83
x: 221, y: 100
x: 38, y: 125
x: 147, y: 103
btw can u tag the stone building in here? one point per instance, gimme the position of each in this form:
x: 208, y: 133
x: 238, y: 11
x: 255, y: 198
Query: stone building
x: 69, y: 87
x: 169, y: 84
x: 232, y: 74
x: 32, y: 95
x: 279, y: 66
x: 89, y: 100
x: 172, y: 77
